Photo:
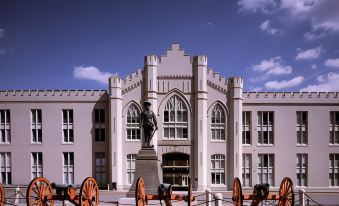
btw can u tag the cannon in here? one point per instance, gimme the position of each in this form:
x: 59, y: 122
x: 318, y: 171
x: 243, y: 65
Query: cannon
x: 2, y: 195
x: 40, y: 192
x: 261, y: 192
x: 164, y: 193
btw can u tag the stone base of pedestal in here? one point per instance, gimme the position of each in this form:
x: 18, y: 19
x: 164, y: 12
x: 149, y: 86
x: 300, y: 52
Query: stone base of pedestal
x: 146, y: 166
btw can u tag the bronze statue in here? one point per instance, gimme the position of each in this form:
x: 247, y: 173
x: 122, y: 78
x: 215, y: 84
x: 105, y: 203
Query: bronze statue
x: 148, y: 122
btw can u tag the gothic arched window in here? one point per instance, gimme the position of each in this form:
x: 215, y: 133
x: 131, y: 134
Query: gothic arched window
x: 175, y: 119
x: 132, y: 126
x: 218, y: 121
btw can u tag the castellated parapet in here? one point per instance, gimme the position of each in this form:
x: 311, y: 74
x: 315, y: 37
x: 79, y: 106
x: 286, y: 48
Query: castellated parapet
x: 200, y: 60
x: 280, y: 98
x: 235, y: 82
x: 53, y: 95
x: 151, y: 60
x: 216, y: 81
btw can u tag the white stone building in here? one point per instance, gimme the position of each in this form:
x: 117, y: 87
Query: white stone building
x: 209, y: 130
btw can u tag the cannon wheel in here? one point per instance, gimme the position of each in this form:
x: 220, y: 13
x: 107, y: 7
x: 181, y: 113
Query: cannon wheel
x: 140, y: 192
x: 286, y: 193
x: 237, y: 193
x: 38, y: 190
x: 2, y: 195
x: 89, y: 192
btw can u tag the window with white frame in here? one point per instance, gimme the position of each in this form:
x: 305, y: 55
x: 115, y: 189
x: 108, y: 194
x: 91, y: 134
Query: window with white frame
x: 218, y: 169
x: 266, y: 168
x: 334, y: 127
x: 36, y: 162
x: 265, y: 128
x: 99, y: 125
x: 68, y: 168
x: 175, y: 119
x: 68, y: 126
x: 302, y: 127
x: 132, y: 126
x: 302, y: 169
x: 246, y: 127
x: 334, y: 170
x: 36, y: 121
x: 218, y: 123
x: 246, y: 169
x: 6, y: 170
x: 100, y: 168
x: 5, y: 127
x: 130, y: 167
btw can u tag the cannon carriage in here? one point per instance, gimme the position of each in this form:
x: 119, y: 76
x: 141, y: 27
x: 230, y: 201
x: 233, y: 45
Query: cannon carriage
x: 164, y: 194
x: 41, y: 192
x: 285, y: 197
x: 2, y: 195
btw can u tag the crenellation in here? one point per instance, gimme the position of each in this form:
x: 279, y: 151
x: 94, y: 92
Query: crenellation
x: 216, y: 75
x: 292, y: 95
x: 50, y: 93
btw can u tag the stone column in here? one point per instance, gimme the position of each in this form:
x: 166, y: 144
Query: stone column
x: 115, y: 127
x: 200, y: 132
x: 151, y: 89
x: 234, y: 99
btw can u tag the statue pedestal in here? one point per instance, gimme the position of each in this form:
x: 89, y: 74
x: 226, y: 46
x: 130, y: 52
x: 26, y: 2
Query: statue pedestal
x: 146, y: 166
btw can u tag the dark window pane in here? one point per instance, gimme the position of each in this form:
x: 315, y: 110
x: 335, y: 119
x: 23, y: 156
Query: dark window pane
x: 102, y: 115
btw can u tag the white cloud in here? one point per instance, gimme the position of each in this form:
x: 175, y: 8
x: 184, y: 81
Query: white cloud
x: 2, y: 32
x: 332, y: 62
x: 266, y: 26
x: 314, y: 66
x: 273, y: 66
x: 313, y: 35
x: 322, y: 14
x: 328, y: 83
x: 265, y: 6
x: 210, y: 25
x: 256, y: 89
x: 309, y: 54
x: 284, y: 83
x: 91, y: 73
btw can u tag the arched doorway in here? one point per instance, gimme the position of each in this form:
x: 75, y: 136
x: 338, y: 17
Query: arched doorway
x: 175, y: 170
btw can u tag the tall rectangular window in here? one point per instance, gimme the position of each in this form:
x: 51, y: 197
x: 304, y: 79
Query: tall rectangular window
x: 68, y: 168
x: 246, y: 128
x: 133, y: 123
x: 130, y: 167
x: 334, y: 170
x: 302, y: 128
x: 5, y: 127
x: 246, y: 169
x: 36, y: 162
x: 68, y: 126
x: 218, y: 122
x: 6, y: 170
x: 100, y: 168
x: 334, y: 127
x: 175, y: 119
x: 266, y: 168
x: 265, y: 128
x: 99, y: 125
x: 218, y: 169
x: 36, y: 126
x: 302, y: 169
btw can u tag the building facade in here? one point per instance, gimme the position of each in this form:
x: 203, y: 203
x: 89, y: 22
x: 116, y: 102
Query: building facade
x: 209, y: 130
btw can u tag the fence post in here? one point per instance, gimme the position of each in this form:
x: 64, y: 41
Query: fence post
x: 17, y: 196
x: 302, y: 197
x: 218, y: 199
x: 208, y: 197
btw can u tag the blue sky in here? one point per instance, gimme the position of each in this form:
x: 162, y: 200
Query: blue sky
x: 275, y: 45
